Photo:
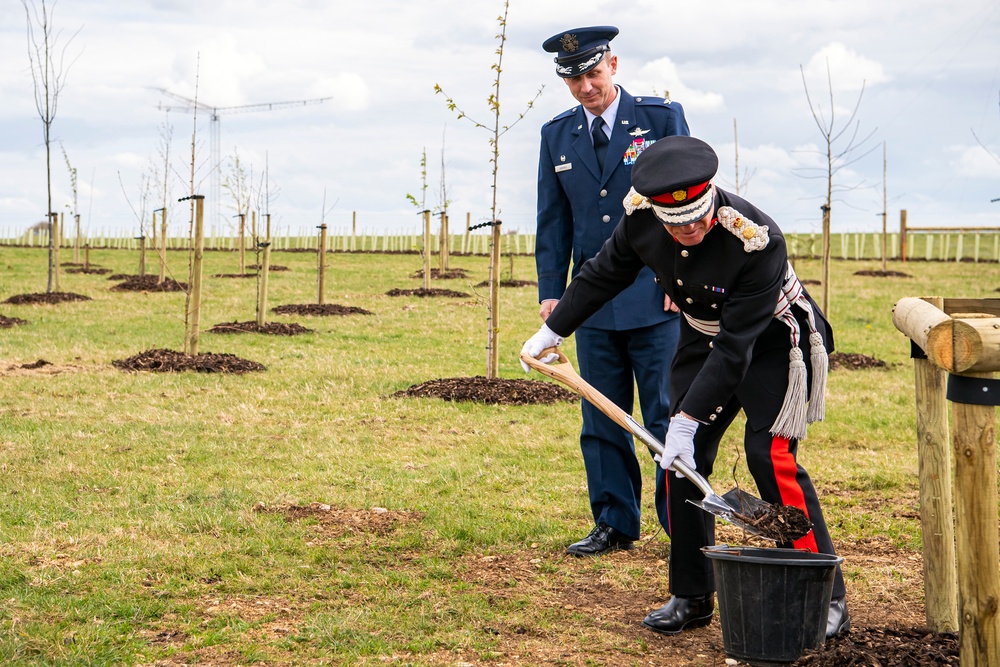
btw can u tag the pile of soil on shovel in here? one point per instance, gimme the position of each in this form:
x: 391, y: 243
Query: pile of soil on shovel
x: 270, y: 328
x: 169, y: 361
x: 886, y: 647
x: 46, y: 297
x: 148, y: 283
x: 321, y: 310
x: 8, y: 322
x: 883, y: 274
x: 438, y: 274
x: 421, y: 292
x: 272, y: 267
x: 91, y: 271
x: 782, y: 523
x: 497, y: 391
x: 509, y: 283
x: 852, y: 361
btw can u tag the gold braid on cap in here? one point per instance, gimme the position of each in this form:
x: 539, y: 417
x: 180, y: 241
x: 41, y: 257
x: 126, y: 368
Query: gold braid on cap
x: 754, y: 236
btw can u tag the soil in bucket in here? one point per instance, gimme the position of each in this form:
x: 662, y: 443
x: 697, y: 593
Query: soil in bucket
x: 773, y: 603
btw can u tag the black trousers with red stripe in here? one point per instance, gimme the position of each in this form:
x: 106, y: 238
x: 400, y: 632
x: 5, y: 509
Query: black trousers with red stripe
x: 779, y: 479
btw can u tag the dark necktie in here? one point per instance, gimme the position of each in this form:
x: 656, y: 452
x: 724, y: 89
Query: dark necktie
x: 600, y: 140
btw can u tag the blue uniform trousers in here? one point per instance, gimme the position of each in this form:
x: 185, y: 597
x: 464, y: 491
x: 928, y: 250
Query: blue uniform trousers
x: 614, y: 363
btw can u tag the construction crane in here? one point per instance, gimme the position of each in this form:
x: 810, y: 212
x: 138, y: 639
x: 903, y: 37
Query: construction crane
x: 190, y: 106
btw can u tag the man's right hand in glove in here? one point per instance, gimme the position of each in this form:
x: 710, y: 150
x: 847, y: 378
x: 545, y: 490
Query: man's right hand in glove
x: 679, y: 443
x: 542, y: 340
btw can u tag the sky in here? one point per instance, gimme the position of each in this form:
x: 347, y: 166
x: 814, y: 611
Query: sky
x: 917, y: 80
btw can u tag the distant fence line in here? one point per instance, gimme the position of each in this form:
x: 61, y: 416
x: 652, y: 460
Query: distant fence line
x: 923, y: 245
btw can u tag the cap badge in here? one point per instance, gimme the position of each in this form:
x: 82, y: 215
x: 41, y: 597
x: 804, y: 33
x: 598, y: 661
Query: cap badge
x: 679, y: 195
x: 754, y: 236
x: 569, y: 43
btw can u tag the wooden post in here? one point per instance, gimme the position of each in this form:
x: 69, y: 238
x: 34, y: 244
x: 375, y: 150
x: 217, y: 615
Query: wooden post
x: 354, y: 229
x: 54, y: 240
x: 493, y: 339
x: 974, y: 446
x: 321, y: 264
x: 427, y: 250
x: 86, y: 257
x: 826, y: 260
x: 76, y: 241
x: 934, y: 473
x: 142, y: 255
x: 162, y: 244
x: 242, y: 242
x: 902, y: 235
x: 443, y: 243
x: 468, y: 223
x: 197, y: 263
x: 264, y: 270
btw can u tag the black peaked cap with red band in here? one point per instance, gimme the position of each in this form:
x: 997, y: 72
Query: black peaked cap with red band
x: 675, y: 171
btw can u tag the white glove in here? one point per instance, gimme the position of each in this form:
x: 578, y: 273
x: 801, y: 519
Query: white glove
x: 542, y: 340
x: 679, y: 444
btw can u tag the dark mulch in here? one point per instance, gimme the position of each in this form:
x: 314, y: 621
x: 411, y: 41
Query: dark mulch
x: 8, y: 322
x: 438, y: 274
x: 149, y: 283
x: 46, y: 297
x: 169, y: 361
x: 36, y: 364
x: 421, y: 292
x: 509, y: 283
x: 782, y: 523
x: 235, y: 275
x: 885, y: 647
x: 810, y: 282
x: 91, y: 270
x: 497, y: 391
x: 883, y: 274
x: 319, y: 309
x: 853, y: 361
x: 271, y: 328
x: 271, y: 267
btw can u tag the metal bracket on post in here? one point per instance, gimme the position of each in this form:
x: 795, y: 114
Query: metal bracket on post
x: 973, y: 390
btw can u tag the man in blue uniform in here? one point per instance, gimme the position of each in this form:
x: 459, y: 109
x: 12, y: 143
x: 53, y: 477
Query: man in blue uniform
x: 751, y: 338
x: 584, y: 172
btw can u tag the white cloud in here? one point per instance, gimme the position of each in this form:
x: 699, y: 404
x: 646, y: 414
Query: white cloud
x: 661, y: 75
x: 976, y: 162
x: 847, y: 70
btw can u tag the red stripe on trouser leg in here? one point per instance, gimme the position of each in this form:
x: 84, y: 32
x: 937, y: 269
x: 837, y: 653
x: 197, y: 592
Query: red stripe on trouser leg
x: 786, y: 474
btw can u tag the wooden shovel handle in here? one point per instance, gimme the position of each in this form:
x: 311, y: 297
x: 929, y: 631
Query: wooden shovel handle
x: 565, y: 373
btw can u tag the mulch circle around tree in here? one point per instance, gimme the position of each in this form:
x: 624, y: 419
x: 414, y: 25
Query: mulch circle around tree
x: 421, y: 292
x: 271, y: 267
x: 148, y: 283
x: 46, y: 297
x: 886, y: 647
x: 235, y: 275
x: 883, y: 274
x: 438, y: 274
x: 90, y: 271
x: 270, y: 328
x: 853, y: 361
x: 169, y: 361
x: 41, y: 363
x: 318, y: 309
x: 810, y: 282
x: 8, y: 322
x: 509, y: 283
x: 497, y: 391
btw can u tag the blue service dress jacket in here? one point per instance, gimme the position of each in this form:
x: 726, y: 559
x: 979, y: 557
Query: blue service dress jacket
x: 579, y: 205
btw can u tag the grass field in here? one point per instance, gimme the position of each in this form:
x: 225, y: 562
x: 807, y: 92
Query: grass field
x: 301, y: 515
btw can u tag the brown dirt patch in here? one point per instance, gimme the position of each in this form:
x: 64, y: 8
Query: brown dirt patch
x: 886, y: 647
x: 46, y: 297
x: 883, y: 274
x: 438, y: 274
x: 810, y: 282
x: 271, y: 267
x: 334, y: 522
x: 509, y: 283
x: 421, y: 292
x: 319, y: 310
x: 7, y: 322
x: 235, y: 275
x: 852, y: 361
x: 269, y: 328
x: 90, y: 271
x: 147, y: 283
x: 170, y: 361
x: 497, y: 391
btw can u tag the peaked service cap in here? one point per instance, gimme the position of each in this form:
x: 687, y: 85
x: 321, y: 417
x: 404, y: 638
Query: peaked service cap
x: 675, y: 174
x: 581, y: 49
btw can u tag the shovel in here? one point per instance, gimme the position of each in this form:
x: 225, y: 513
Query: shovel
x: 735, y: 510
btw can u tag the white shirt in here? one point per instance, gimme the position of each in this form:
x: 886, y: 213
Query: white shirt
x: 609, y: 115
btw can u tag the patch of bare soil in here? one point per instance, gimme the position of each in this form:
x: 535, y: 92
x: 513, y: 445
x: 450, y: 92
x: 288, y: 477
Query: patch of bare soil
x: 8, y: 322
x: 421, y: 292
x: 40, y: 367
x: 334, y: 522
x: 810, y: 282
x: 883, y: 274
x: 438, y: 274
x: 497, y: 391
x: 235, y: 275
x: 319, y: 309
x: 886, y: 647
x: 90, y: 271
x: 148, y: 283
x: 853, y: 361
x: 271, y: 267
x: 270, y: 328
x: 46, y: 297
x: 169, y: 361
x: 509, y: 283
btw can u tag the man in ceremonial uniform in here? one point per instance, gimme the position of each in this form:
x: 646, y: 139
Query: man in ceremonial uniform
x: 584, y: 171
x: 751, y: 338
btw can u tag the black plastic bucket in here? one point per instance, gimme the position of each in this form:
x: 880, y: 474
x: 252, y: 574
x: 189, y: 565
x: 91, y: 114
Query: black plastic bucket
x: 773, y: 603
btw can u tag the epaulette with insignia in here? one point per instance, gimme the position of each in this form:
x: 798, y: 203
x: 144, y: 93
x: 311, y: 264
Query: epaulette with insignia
x: 754, y: 236
x: 565, y: 114
x: 649, y: 100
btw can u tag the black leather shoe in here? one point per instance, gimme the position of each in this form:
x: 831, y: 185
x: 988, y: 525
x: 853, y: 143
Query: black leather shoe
x: 839, y: 619
x: 602, y: 539
x: 681, y: 613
